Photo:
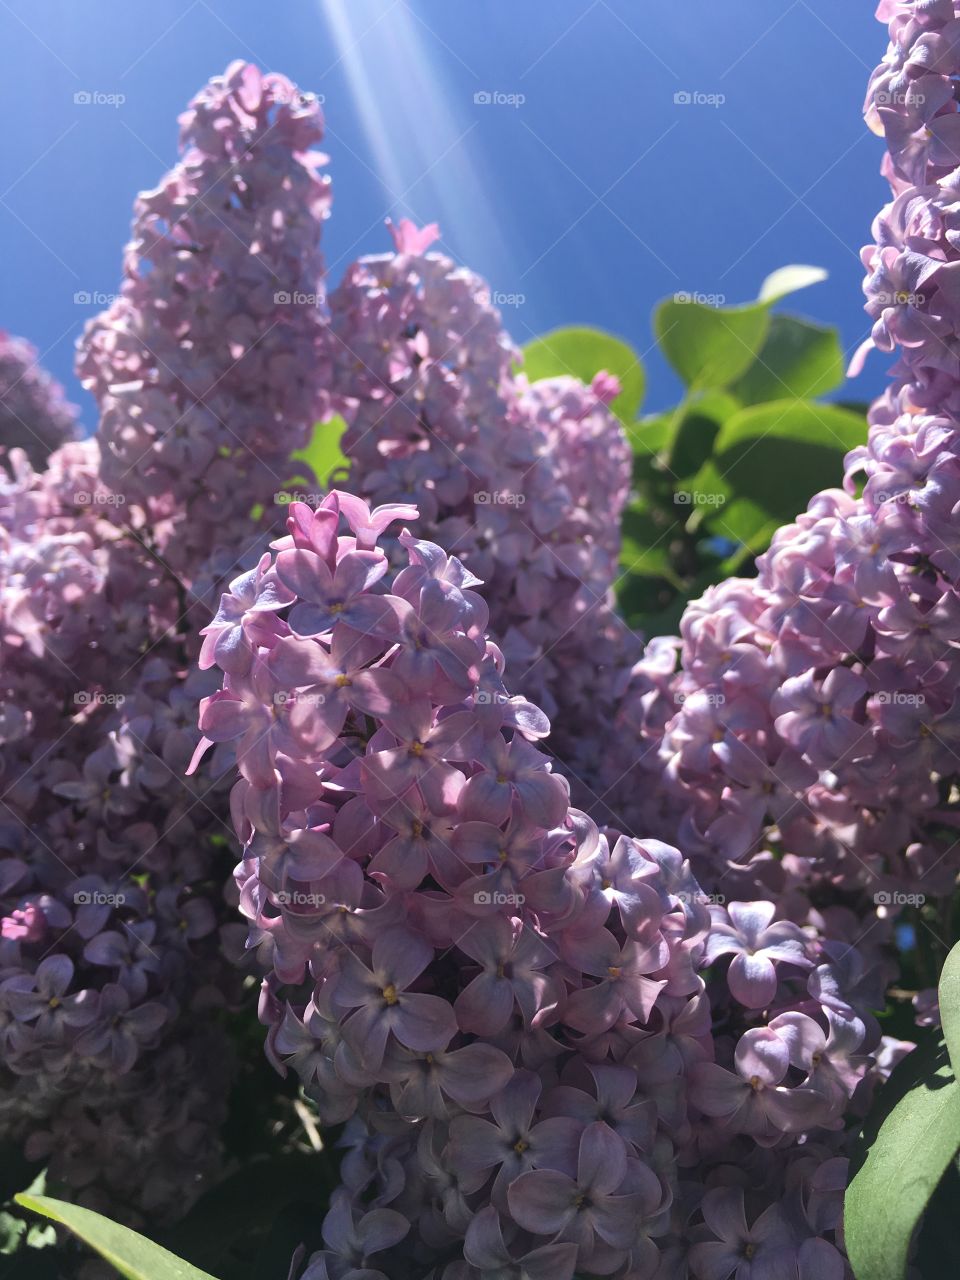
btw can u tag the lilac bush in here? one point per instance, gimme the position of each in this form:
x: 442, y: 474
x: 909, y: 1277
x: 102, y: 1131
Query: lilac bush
x: 572, y: 949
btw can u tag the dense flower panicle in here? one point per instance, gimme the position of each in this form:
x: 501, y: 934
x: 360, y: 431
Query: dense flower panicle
x: 111, y: 966
x: 210, y: 367
x: 556, y: 1048
x: 523, y: 483
x: 108, y: 926
x: 501, y: 1000
x: 34, y: 413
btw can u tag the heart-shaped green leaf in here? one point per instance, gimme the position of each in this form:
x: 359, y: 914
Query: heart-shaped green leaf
x: 710, y: 346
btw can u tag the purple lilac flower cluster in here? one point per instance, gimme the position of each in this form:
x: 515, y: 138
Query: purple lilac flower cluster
x: 209, y: 367
x: 524, y: 483
x: 34, y: 413
x: 113, y: 973
x: 504, y: 1003
x: 110, y: 965
x: 815, y: 711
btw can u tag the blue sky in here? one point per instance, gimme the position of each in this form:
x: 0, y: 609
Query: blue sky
x: 584, y: 189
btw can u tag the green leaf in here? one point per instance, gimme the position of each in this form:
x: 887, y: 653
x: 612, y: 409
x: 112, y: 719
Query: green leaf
x: 901, y: 1164
x: 938, y: 1242
x: 798, y: 359
x: 710, y: 347
x: 582, y: 353
x: 790, y: 280
x: 133, y: 1255
x: 949, y: 995
x: 777, y: 456
x: 645, y: 546
x: 696, y: 426
x: 323, y: 454
x: 221, y: 1233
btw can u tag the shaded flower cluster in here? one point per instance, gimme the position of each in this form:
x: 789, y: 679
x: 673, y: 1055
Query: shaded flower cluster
x: 110, y: 964
x: 34, y: 413
x: 504, y: 1003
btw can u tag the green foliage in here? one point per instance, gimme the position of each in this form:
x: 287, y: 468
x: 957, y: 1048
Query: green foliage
x: 323, y: 454
x: 220, y: 1236
x: 743, y: 452
x: 902, y: 1163
x: 710, y: 346
x: 134, y: 1256
x: 900, y: 1206
x: 799, y: 359
x: 772, y: 457
x: 292, y: 1193
x: 582, y: 353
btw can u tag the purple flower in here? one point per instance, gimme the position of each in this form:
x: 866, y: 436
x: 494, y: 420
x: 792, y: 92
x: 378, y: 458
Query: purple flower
x: 765, y: 1251
x: 115, y: 1039
x: 354, y: 1238
x: 589, y: 1204
x: 41, y: 999
x: 513, y: 1141
x: 484, y: 1248
x: 513, y: 958
x: 518, y: 770
x: 752, y: 1100
x: 757, y: 946
x: 384, y: 1005
x: 339, y: 598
